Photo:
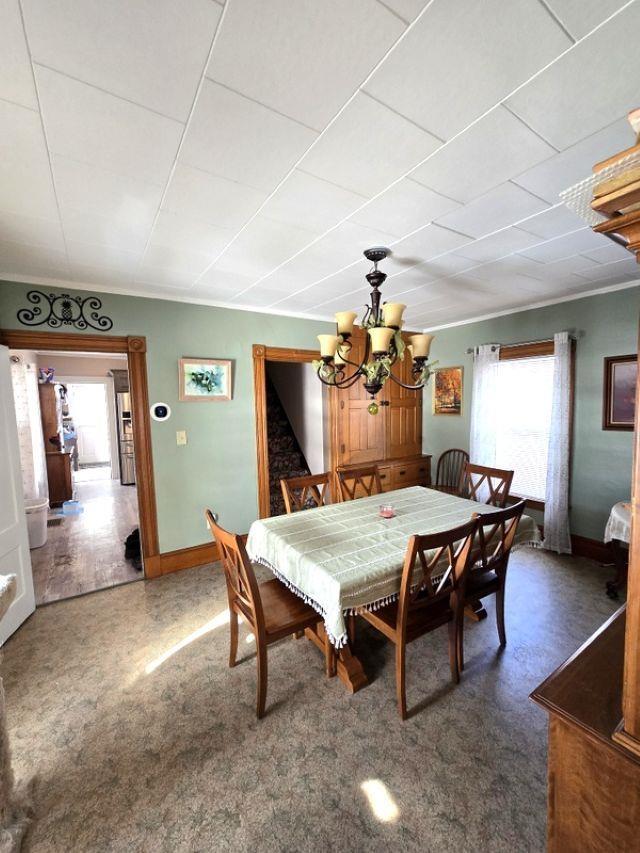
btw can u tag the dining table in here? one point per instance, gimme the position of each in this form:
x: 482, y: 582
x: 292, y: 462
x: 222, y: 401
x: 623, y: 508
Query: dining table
x: 344, y: 557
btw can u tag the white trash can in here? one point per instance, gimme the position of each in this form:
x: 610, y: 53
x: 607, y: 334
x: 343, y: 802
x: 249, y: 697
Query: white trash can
x: 37, y: 510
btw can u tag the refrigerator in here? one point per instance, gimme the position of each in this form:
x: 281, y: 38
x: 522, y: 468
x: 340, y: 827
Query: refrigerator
x: 125, y: 439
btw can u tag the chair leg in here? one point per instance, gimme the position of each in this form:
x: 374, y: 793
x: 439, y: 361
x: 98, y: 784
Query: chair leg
x: 297, y: 635
x: 262, y: 680
x: 502, y: 634
x: 233, y: 638
x: 460, y: 640
x: 453, y: 650
x: 401, y: 687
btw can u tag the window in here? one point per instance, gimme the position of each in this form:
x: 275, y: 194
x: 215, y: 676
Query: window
x: 525, y: 387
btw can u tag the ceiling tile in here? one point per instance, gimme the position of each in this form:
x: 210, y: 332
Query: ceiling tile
x: 626, y: 266
x: 263, y: 245
x: 20, y: 259
x: 31, y: 230
x: 425, y: 244
x: 109, y: 232
x: 110, y: 278
x: 195, y: 194
x: 581, y: 16
x: 602, y: 72
x: 560, y: 271
x: 563, y: 170
x: 453, y: 67
x: 91, y: 126
x: 495, y: 149
x: 116, y: 46
x: 611, y: 252
x: 174, y: 259
x: 302, y: 58
x: 89, y: 189
x: 496, y: 209
x: 308, y: 202
x: 405, y: 207
x: 236, y: 138
x: 368, y: 147
x: 16, y: 76
x: 552, y: 223
x: 407, y: 9
x: 100, y: 256
x: 497, y: 245
x: 189, y: 235
x: 26, y: 187
x: 163, y: 279
x: 565, y: 246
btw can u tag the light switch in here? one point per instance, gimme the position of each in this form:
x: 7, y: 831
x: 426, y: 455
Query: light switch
x: 181, y: 437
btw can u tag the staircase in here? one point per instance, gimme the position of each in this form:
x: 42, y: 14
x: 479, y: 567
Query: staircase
x: 285, y: 456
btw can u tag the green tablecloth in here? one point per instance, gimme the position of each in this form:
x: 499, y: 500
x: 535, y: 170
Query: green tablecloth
x: 344, y: 557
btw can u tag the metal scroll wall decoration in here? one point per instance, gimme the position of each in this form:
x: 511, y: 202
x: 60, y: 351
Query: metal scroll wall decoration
x: 56, y: 310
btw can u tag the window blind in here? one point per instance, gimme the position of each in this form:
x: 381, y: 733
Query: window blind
x: 525, y: 392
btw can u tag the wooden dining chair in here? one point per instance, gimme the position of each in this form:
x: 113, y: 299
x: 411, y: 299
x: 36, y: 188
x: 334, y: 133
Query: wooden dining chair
x: 269, y: 608
x: 486, y: 485
x: 359, y: 482
x: 304, y: 492
x: 490, y: 560
x: 424, y: 604
x: 450, y: 470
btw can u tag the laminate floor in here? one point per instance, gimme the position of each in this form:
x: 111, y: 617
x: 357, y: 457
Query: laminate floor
x: 85, y: 552
x: 141, y: 738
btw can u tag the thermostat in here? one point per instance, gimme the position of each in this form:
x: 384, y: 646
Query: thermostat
x: 160, y: 412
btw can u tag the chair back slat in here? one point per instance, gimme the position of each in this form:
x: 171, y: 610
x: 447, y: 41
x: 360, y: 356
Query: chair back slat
x: 496, y: 535
x: 359, y: 482
x: 417, y: 589
x: 306, y: 492
x: 451, y: 468
x: 486, y: 485
x: 242, y: 586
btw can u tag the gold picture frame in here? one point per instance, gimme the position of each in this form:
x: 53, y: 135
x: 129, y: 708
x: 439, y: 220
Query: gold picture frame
x: 204, y: 380
x: 447, y: 390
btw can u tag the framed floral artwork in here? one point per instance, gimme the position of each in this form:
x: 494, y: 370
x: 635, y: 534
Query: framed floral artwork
x: 204, y: 380
x: 619, y: 392
x: 447, y: 390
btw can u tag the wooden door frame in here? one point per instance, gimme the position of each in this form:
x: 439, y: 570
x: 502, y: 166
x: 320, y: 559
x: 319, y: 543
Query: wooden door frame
x: 135, y: 348
x: 261, y: 355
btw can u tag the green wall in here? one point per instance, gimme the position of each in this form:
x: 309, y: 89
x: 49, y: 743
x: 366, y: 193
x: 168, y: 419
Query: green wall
x: 217, y: 468
x: 604, y: 325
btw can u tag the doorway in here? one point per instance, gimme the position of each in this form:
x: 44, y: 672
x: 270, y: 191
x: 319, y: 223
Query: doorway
x: 292, y: 421
x: 87, y: 538
x: 133, y: 350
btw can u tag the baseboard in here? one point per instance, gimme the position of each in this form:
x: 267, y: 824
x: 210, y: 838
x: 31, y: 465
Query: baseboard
x: 593, y: 549
x: 184, y: 558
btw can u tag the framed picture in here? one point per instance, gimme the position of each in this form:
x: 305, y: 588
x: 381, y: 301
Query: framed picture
x: 204, y: 379
x: 447, y: 391
x: 619, y: 397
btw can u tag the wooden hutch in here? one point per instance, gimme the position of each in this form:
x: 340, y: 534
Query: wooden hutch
x: 392, y: 439
x: 593, y: 699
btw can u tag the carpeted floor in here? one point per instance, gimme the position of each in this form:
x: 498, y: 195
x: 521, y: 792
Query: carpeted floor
x: 143, y: 740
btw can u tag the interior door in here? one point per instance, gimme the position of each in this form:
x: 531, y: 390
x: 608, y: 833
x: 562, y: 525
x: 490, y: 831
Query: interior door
x: 14, y: 545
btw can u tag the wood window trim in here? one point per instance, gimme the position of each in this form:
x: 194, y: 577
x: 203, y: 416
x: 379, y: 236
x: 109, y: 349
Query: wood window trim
x: 261, y: 355
x: 537, y: 349
x: 135, y: 348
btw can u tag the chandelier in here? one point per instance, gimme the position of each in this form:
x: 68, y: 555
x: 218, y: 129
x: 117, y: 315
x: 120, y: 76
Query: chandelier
x: 384, y: 344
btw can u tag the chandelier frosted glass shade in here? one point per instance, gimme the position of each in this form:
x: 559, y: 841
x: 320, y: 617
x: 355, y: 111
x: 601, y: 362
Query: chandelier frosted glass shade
x: 384, y: 343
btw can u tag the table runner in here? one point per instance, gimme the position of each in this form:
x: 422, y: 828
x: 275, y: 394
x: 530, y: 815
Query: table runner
x: 344, y: 557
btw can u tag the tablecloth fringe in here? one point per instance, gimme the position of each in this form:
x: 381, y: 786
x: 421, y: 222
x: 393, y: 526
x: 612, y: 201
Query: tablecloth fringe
x: 338, y: 642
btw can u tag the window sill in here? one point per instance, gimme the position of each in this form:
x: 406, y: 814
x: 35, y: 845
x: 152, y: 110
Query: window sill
x: 531, y: 503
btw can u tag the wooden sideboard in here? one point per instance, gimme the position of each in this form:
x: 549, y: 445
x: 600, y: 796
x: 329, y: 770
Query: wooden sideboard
x: 593, y: 782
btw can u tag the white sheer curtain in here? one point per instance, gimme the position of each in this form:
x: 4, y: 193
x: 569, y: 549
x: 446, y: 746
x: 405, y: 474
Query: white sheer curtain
x: 24, y: 379
x: 484, y: 405
x: 557, y: 536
